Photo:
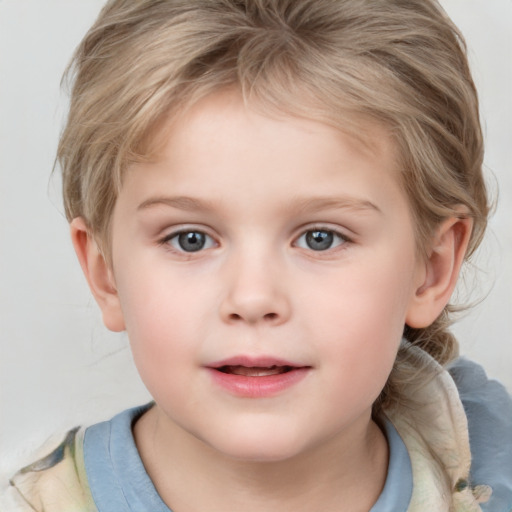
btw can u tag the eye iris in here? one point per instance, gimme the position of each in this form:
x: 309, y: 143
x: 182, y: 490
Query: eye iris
x: 191, y: 241
x: 319, y: 240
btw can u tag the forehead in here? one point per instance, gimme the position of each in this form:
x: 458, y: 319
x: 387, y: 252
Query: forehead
x: 237, y: 152
x: 203, y: 110
x: 224, y: 114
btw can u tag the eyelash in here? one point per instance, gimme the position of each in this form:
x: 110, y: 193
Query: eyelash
x: 208, y: 242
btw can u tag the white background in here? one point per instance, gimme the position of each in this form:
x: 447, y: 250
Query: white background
x: 59, y: 367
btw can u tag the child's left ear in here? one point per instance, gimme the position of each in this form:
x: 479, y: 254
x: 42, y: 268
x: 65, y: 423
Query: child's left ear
x: 440, y: 271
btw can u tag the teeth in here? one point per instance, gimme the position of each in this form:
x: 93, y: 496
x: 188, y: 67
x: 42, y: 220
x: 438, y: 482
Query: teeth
x: 254, y: 371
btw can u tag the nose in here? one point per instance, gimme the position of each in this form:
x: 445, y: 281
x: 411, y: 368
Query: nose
x: 255, y: 292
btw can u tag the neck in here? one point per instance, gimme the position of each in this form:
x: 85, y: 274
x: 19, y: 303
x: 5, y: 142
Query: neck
x: 190, y: 476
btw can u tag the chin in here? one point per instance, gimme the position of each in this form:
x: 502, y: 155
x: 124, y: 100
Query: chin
x: 260, y: 447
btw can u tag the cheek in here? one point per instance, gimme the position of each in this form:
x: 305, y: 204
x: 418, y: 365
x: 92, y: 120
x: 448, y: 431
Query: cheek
x: 363, y: 304
x: 358, y: 323
x: 164, y: 336
x: 165, y: 317
x: 154, y: 297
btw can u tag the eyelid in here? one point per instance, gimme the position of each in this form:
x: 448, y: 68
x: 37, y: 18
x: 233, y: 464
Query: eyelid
x: 319, y: 226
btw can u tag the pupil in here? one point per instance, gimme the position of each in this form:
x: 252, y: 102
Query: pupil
x: 319, y: 240
x: 191, y: 242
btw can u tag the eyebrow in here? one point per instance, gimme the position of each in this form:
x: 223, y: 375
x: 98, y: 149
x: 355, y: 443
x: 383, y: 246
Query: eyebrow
x: 315, y: 204
x: 306, y: 205
x: 179, y: 202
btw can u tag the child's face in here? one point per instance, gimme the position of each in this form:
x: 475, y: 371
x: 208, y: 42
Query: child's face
x: 277, y: 243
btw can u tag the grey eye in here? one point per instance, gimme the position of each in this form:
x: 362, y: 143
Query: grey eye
x: 320, y: 240
x: 191, y: 241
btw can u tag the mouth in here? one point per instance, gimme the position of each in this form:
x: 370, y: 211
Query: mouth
x: 257, y: 377
x: 255, y: 371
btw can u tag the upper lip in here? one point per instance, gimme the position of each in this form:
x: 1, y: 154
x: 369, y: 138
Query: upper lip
x: 255, y: 362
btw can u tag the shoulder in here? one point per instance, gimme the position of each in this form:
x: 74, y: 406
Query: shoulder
x: 458, y: 433
x: 55, y: 483
x: 488, y: 408
x: 474, y: 385
x: 89, y: 469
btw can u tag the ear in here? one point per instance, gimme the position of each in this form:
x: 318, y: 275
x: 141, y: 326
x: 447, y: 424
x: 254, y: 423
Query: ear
x: 439, y: 272
x: 98, y: 274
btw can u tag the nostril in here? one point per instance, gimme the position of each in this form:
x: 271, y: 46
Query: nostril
x: 270, y: 316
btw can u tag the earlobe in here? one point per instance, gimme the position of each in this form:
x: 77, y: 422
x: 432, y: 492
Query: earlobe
x: 440, y: 272
x: 98, y: 274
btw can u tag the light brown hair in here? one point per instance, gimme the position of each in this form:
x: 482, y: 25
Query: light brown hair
x: 399, y: 62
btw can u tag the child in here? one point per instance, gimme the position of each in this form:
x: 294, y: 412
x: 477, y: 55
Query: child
x: 274, y: 199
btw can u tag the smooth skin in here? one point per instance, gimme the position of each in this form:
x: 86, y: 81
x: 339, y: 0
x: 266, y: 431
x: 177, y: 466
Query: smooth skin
x: 253, y: 235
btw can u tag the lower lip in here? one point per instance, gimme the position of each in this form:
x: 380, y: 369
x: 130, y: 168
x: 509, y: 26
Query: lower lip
x: 258, y: 387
